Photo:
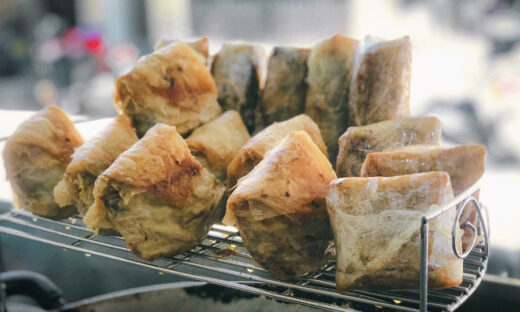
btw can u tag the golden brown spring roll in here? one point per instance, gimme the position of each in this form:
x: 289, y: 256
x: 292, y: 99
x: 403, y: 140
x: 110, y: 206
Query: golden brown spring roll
x: 171, y: 86
x: 35, y: 158
x: 357, y: 142
x: 279, y: 208
x: 285, y: 89
x: 216, y: 143
x: 254, y: 150
x: 157, y: 195
x: 237, y: 69
x: 201, y: 46
x: 380, y: 87
x: 464, y: 164
x: 330, y: 71
x: 90, y: 160
x: 376, y: 223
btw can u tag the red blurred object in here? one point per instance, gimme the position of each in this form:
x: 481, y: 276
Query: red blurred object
x: 95, y: 46
x: 79, y: 41
x: 83, y: 41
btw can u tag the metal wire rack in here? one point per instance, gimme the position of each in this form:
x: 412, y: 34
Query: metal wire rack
x: 237, y: 270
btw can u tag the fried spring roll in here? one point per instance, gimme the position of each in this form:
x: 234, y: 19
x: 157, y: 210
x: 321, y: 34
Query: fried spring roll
x: 279, y: 208
x: 357, y: 142
x: 285, y: 89
x: 376, y: 223
x: 329, y: 73
x: 216, y: 143
x: 90, y: 160
x: 380, y: 87
x: 35, y: 158
x: 464, y: 164
x: 171, y: 86
x: 254, y: 150
x: 237, y: 70
x: 157, y: 195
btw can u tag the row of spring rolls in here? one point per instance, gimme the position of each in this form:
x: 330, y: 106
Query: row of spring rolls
x: 162, y: 192
x: 288, y: 203
x: 340, y: 82
x: 139, y: 176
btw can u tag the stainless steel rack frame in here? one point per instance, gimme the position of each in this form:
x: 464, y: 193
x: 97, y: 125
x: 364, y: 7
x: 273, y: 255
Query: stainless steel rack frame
x: 238, y: 271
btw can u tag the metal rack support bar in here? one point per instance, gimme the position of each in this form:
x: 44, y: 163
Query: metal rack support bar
x: 424, y: 265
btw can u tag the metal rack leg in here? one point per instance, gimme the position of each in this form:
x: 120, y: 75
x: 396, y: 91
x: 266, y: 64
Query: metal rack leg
x: 424, y: 266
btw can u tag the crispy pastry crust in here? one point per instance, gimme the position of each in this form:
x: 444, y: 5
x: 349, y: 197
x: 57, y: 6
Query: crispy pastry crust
x: 35, y: 157
x: 376, y: 223
x: 171, y: 86
x: 380, y: 87
x: 216, y: 143
x: 330, y: 70
x: 201, y: 46
x: 157, y: 195
x: 285, y: 88
x: 357, y: 142
x: 254, y: 150
x: 238, y: 73
x: 90, y: 160
x: 464, y: 164
x: 280, y: 208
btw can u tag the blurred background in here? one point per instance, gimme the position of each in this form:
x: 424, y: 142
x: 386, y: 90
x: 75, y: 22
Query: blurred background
x: 466, y: 65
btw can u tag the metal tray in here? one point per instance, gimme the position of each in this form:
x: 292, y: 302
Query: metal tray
x: 238, y: 270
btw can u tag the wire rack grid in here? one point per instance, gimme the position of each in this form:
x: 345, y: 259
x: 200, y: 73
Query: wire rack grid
x: 237, y: 269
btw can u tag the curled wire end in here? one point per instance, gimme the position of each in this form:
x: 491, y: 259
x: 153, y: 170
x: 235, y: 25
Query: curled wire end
x: 468, y: 225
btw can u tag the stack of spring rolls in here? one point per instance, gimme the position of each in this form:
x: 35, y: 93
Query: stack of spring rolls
x: 334, y: 160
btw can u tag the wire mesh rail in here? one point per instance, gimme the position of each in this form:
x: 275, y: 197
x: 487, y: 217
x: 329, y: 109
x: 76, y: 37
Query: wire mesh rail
x: 223, y: 260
